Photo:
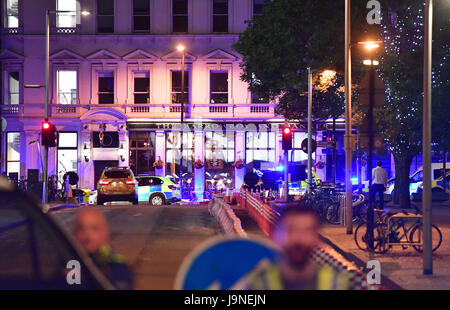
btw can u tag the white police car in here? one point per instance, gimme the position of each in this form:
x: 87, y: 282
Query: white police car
x: 157, y: 190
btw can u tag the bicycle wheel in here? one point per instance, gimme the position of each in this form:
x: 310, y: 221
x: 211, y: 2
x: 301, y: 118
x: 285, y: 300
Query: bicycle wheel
x: 379, y: 242
x: 416, y: 235
x: 332, y: 214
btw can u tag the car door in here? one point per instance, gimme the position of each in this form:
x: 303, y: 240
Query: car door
x: 36, y: 253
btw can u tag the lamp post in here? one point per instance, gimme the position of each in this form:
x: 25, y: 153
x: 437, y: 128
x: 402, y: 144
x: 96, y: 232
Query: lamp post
x: 426, y: 140
x: 370, y: 212
x: 308, y: 187
x: 348, y: 137
x: 182, y: 50
x: 348, y: 118
x: 47, y: 81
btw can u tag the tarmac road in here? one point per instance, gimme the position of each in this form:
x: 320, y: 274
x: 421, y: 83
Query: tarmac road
x: 154, y: 240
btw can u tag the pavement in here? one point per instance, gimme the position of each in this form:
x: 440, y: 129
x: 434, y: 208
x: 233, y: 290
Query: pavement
x: 153, y: 240
x: 401, y: 268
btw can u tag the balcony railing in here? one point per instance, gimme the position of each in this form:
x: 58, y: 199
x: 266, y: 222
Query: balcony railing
x: 16, y: 30
x: 65, y: 30
x: 10, y: 109
x: 247, y: 111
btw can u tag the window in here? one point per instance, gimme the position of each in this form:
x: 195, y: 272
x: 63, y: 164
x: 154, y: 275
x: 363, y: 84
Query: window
x: 219, y: 157
x: 173, y: 152
x: 260, y: 149
x: 256, y: 98
x: 258, y: 6
x: 180, y: 15
x: 141, y: 15
x: 220, y: 15
x: 13, y: 154
x: 259, y: 99
x: 141, y: 87
x: 117, y: 174
x: 176, y: 86
x: 105, y: 16
x: 68, y: 18
x: 67, y: 86
x: 12, y: 94
x: 106, y: 88
x: 67, y: 153
x: 110, y: 139
x: 297, y: 154
x: 142, y: 152
x: 219, y: 86
x: 12, y: 14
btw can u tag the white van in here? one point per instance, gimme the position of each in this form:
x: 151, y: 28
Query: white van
x: 417, y: 177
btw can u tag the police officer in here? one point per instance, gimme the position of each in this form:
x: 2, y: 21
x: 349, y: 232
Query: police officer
x: 91, y: 231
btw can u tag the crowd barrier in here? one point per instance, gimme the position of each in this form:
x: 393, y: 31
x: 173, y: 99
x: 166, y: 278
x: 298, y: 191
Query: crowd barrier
x: 266, y: 217
x: 228, y: 221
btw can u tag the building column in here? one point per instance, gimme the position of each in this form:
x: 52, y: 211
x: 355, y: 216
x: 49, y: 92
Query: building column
x: 239, y: 149
x: 199, y: 151
x: 160, y: 151
x: 320, y: 156
x: 124, y: 150
x: 86, y: 163
x: 392, y: 166
x: 32, y: 156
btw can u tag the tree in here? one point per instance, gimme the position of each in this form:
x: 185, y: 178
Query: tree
x: 400, y: 120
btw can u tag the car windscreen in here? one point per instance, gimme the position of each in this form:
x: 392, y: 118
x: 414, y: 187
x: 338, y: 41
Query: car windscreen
x: 117, y: 174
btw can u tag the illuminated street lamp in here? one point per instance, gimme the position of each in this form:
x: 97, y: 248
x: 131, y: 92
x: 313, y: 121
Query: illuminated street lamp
x: 372, y: 63
x: 181, y: 49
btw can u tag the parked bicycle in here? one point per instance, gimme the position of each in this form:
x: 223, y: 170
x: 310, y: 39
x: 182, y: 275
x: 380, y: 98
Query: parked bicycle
x: 391, y: 229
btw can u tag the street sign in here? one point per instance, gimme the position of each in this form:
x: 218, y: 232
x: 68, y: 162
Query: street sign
x: 304, y: 145
x: 364, y: 91
x: 221, y: 262
x: 329, y: 144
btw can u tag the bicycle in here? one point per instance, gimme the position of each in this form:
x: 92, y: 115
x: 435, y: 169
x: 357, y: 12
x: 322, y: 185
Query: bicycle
x: 392, y: 229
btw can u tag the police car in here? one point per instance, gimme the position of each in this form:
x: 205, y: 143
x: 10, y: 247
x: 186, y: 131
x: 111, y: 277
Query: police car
x: 157, y: 190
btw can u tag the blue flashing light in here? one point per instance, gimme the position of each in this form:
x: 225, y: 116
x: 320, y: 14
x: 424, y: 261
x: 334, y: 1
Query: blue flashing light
x: 280, y: 168
x: 354, y: 180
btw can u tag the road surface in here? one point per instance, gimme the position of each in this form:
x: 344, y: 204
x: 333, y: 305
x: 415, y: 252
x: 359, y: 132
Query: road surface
x: 154, y: 240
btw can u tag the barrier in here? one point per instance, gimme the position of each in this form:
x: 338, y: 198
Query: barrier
x: 228, y: 221
x: 266, y: 217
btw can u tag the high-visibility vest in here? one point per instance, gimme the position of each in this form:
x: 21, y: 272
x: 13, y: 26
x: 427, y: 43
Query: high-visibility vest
x: 327, y: 279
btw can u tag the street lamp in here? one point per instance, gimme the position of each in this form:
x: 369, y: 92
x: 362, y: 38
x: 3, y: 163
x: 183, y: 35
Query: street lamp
x: 348, y: 137
x: 181, y: 49
x: 370, y: 213
x: 47, y: 82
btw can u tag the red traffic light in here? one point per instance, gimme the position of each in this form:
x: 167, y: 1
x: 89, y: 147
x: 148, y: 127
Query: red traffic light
x: 328, y: 139
x: 287, y: 138
x: 45, y: 125
x: 287, y: 130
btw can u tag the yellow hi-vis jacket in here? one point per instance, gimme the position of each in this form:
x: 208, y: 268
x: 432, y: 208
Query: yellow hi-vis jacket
x: 327, y: 278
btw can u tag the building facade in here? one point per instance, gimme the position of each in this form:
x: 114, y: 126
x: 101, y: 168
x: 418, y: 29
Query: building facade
x: 115, y: 90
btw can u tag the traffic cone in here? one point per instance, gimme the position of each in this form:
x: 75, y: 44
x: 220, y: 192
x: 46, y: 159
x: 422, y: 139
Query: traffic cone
x: 227, y: 195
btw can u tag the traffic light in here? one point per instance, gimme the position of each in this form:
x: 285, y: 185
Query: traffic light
x: 49, y: 134
x: 287, y: 138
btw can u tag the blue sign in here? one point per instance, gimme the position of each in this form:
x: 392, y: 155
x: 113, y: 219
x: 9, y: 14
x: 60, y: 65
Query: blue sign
x: 220, y: 263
